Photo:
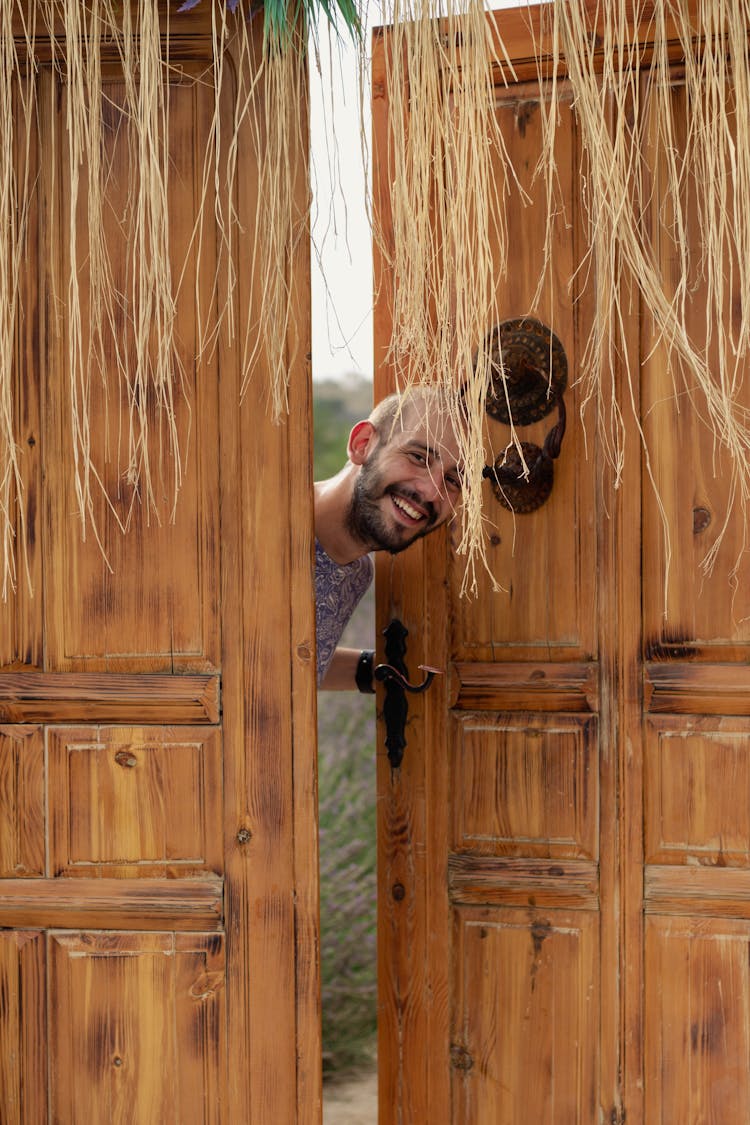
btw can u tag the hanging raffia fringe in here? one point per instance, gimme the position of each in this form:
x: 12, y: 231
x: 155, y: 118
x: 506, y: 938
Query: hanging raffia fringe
x: 278, y: 120
x: 451, y: 185
x: 270, y: 109
x: 120, y: 332
x: 17, y: 97
x: 449, y: 204
x: 146, y: 362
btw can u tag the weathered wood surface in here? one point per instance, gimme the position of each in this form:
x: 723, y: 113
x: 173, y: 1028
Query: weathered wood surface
x: 112, y: 904
x: 524, y: 687
x: 510, y: 881
x: 681, y: 688
x: 570, y: 828
x: 74, y: 697
x: 144, y: 1036
x: 23, y: 1028
x: 158, y: 835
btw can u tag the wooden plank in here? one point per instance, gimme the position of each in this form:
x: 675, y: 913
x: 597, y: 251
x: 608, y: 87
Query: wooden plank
x: 492, y: 880
x: 524, y: 34
x: 525, y: 784
x: 186, y: 36
x: 144, y: 1022
x: 112, y: 904
x: 304, y: 682
x: 141, y: 802
x: 718, y: 892
x: 620, y: 640
x: 22, y: 791
x: 524, y: 1039
x: 269, y: 671
x: 23, y: 1029
x: 413, y: 828
x: 74, y: 697
x: 682, y: 688
x: 697, y: 1036
x: 504, y: 686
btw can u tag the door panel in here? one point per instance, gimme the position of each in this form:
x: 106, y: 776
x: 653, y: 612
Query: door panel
x: 537, y: 975
x: 525, y: 785
x: 165, y: 616
x: 697, y: 1031
x: 158, y: 863
x: 128, y: 999
x: 22, y: 825
x: 697, y: 791
x: 545, y: 562
x: 135, y: 803
x: 564, y: 850
x: 23, y: 1056
x: 699, y: 611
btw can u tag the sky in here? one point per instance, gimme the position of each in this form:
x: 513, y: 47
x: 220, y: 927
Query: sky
x: 341, y: 240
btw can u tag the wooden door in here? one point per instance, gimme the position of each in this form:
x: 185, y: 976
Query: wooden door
x: 158, y: 871
x: 564, y: 883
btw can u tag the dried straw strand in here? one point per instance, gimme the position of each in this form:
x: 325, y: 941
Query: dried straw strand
x: 17, y: 102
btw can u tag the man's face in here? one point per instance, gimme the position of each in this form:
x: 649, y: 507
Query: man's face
x: 408, y: 485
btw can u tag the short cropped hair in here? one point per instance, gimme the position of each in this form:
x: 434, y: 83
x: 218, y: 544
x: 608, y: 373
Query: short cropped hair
x: 392, y: 411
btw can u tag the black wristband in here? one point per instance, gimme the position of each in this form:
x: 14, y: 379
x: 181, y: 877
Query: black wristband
x: 363, y: 675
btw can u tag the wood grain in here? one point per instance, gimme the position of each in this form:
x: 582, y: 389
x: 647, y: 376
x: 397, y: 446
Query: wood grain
x: 159, y: 701
x: 75, y: 697
x: 681, y: 688
x: 499, y: 881
x: 23, y: 1028
x: 113, y: 904
x: 524, y: 687
x: 697, y: 891
x: 145, y: 1024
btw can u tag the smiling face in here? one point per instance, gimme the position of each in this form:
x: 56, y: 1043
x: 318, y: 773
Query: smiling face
x: 408, y: 482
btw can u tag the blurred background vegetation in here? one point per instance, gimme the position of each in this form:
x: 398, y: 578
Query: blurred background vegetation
x: 346, y: 780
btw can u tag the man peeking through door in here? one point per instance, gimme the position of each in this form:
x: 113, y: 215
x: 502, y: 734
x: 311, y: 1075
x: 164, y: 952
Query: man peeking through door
x: 401, y: 481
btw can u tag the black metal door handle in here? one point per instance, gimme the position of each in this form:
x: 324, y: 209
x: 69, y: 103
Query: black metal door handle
x: 395, y: 675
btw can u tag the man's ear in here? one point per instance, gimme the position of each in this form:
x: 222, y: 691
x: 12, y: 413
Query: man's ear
x: 362, y: 441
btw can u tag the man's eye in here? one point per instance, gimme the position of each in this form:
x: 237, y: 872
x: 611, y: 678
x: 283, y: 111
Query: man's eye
x: 418, y: 458
x: 453, y: 481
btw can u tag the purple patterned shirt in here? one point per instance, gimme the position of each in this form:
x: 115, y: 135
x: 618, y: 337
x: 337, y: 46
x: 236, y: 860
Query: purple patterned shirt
x: 338, y: 591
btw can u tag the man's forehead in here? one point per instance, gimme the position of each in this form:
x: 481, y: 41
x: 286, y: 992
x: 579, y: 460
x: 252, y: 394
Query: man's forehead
x: 432, y: 431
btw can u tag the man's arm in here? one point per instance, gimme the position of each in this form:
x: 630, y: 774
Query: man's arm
x: 341, y: 674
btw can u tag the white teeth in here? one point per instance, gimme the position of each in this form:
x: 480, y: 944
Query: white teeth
x: 411, y: 512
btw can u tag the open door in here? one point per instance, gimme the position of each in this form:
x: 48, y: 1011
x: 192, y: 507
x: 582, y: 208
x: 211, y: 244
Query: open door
x: 564, y: 887
x: 158, y: 870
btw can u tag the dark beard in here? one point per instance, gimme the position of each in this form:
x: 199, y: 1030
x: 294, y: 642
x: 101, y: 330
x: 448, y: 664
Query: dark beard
x: 367, y: 523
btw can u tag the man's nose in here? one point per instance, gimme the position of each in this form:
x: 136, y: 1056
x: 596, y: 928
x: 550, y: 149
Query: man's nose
x: 433, y: 487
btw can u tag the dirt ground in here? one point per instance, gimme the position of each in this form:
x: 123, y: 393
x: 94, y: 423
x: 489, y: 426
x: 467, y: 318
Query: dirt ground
x: 351, y: 1103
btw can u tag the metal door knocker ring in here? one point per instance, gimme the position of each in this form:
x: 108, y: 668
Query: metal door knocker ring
x: 529, y: 371
x: 520, y: 492
x: 529, y: 375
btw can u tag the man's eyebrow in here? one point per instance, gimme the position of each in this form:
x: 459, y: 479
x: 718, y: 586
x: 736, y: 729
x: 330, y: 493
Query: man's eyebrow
x: 422, y: 447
